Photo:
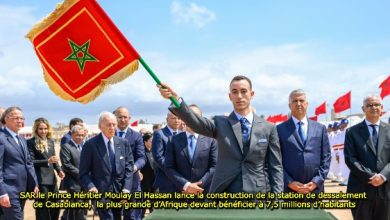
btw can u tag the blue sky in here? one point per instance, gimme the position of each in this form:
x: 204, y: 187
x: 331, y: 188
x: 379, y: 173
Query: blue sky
x: 324, y: 47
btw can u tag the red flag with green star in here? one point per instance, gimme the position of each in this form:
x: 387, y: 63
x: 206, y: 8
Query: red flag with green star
x: 81, y: 50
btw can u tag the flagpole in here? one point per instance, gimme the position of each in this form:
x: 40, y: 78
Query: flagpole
x: 157, y: 80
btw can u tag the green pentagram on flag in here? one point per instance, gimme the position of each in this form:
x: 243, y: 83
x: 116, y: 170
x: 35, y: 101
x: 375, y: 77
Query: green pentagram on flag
x: 80, y: 54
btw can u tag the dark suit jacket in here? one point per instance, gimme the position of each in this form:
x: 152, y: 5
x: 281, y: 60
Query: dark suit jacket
x: 304, y: 163
x: 70, y: 160
x: 66, y: 138
x: 17, y: 170
x: 137, y: 147
x: 261, y: 168
x: 44, y: 170
x: 149, y: 172
x: 181, y: 169
x: 95, y: 168
x: 159, y: 145
x: 364, y: 160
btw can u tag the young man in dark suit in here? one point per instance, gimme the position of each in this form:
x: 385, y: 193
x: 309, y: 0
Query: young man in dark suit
x: 190, y: 160
x: 249, y: 158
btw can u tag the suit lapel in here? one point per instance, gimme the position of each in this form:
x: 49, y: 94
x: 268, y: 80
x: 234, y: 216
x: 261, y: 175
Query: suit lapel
x: 310, y: 130
x: 12, y: 141
x: 199, y: 144
x: 49, y: 148
x: 102, y: 149
x: 365, y: 134
x: 236, y: 127
x: 293, y: 130
x: 128, y: 134
x: 383, y: 130
x: 183, y: 143
x: 117, y: 149
x: 257, y: 127
x: 166, y: 131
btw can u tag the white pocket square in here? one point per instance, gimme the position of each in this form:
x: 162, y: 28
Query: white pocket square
x: 263, y: 140
x: 121, y: 157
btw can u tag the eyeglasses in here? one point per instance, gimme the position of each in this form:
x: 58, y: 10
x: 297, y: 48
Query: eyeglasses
x: 373, y: 105
x: 17, y: 118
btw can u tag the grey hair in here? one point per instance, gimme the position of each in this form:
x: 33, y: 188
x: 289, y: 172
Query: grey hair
x: 105, y: 115
x: 294, y: 93
x: 76, y: 128
x: 371, y: 96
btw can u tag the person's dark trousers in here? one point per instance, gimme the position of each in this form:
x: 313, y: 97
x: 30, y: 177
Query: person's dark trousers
x: 109, y: 214
x: 75, y: 214
x: 133, y: 214
x: 372, y: 208
x: 47, y: 213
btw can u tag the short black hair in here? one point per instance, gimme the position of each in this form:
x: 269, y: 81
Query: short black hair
x: 241, y: 77
x: 75, y: 121
x: 147, y: 136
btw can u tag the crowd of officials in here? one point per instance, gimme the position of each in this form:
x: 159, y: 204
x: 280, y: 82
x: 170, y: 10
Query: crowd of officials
x: 240, y: 152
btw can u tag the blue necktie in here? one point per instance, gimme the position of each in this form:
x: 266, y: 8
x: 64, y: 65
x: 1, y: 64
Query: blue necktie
x: 374, y: 135
x: 191, y: 148
x: 174, y: 133
x: 301, y: 133
x: 245, y: 127
x: 20, y: 143
x: 111, y: 155
x: 120, y: 133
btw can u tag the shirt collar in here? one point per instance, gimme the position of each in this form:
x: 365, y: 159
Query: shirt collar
x: 369, y: 123
x: 106, y: 139
x: 13, y: 134
x: 125, y: 131
x: 195, y: 134
x: 171, y: 130
x: 249, y: 116
x: 304, y: 120
x: 75, y: 144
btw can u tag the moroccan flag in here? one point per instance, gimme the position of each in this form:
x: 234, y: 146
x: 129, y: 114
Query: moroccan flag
x: 81, y: 50
x: 321, y: 109
x: 283, y: 118
x: 277, y: 118
x: 314, y: 118
x: 385, y: 86
x: 134, y: 124
x: 343, y: 103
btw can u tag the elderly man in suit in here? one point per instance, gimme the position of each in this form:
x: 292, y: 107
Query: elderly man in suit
x: 17, y: 170
x: 137, y: 147
x: 367, y: 154
x: 249, y: 157
x: 106, y: 164
x: 70, y: 160
x: 159, y: 145
x: 305, y: 148
x: 190, y: 160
